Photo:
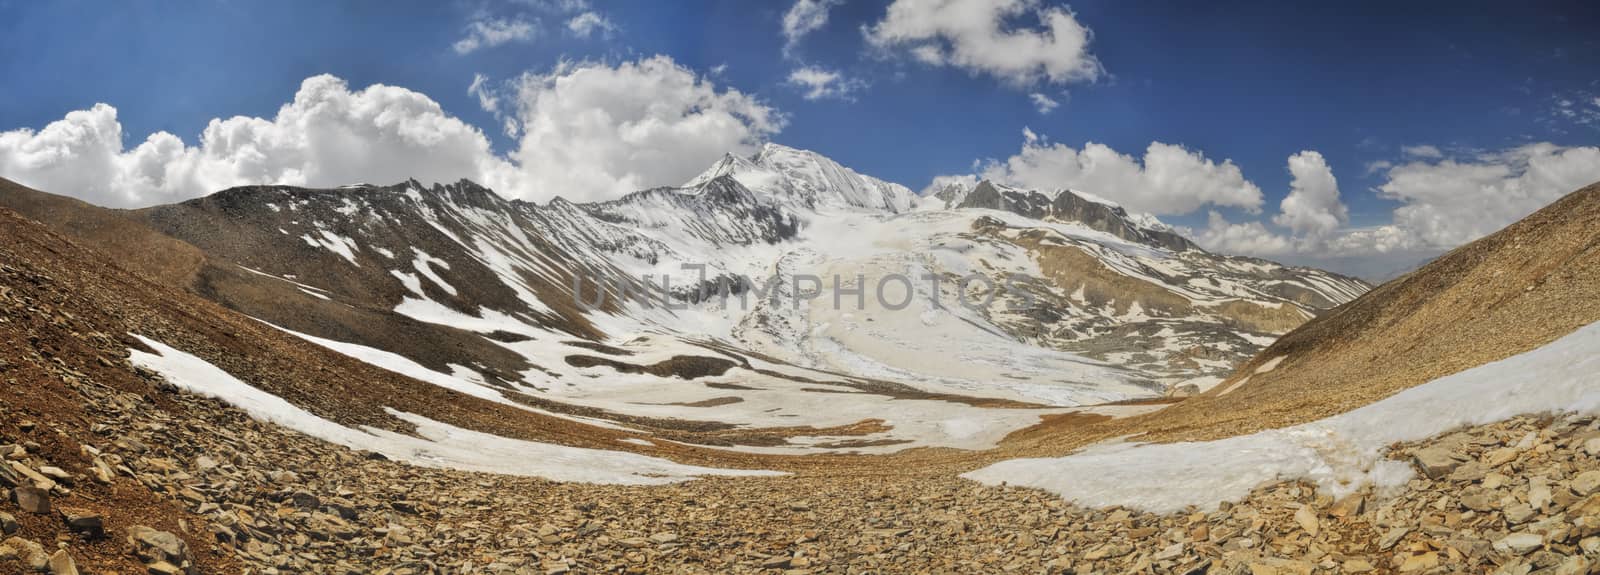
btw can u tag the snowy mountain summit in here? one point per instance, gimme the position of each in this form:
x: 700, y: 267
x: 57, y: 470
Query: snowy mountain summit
x: 808, y: 181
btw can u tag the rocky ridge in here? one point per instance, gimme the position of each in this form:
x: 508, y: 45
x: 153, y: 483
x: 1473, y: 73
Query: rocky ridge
x: 1110, y: 286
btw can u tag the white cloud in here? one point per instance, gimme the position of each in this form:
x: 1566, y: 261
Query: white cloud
x: 821, y: 83
x: 939, y: 183
x: 1044, y: 104
x: 1450, y: 202
x: 1312, y: 208
x: 1421, y: 151
x: 977, y: 36
x: 1169, y: 179
x: 804, y: 17
x: 587, y: 131
x: 327, y: 136
x: 489, y: 100
x: 556, y: 5
x: 486, y: 97
x: 1580, y: 109
x: 1250, y: 238
x: 491, y: 32
x: 587, y: 23
x: 595, y: 131
x: 1312, y: 212
x: 1445, y: 202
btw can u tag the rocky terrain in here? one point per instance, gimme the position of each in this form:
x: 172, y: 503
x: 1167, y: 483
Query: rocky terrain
x: 111, y: 466
x: 1521, y: 496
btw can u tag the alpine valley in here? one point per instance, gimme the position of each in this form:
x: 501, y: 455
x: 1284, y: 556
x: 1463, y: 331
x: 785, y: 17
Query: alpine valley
x: 780, y: 365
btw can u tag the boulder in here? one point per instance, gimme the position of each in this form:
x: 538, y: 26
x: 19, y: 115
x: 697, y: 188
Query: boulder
x: 1306, y: 517
x: 30, y: 553
x: 1586, y: 483
x: 83, y: 522
x: 1436, y: 462
x: 62, y: 564
x: 156, y: 546
x: 32, y: 499
x: 1519, y: 543
x: 1519, y: 513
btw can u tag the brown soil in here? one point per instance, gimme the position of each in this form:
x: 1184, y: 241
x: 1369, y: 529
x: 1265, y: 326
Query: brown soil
x: 681, y: 366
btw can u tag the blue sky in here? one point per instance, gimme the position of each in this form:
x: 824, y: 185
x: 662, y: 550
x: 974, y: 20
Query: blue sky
x: 1248, y: 82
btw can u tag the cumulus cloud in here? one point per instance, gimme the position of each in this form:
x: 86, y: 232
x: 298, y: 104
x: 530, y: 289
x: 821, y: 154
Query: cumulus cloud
x: 585, y: 130
x: 1168, y: 179
x: 596, y: 131
x: 1445, y: 202
x: 491, y: 32
x: 1251, y: 238
x: 1449, y: 202
x: 804, y: 17
x: 1044, y: 104
x: 979, y: 36
x: 817, y: 83
x: 587, y: 23
x: 1312, y: 213
x: 1312, y: 208
x: 328, y: 135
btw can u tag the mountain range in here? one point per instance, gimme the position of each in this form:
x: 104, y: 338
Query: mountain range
x: 1103, y: 305
x: 420, y: 377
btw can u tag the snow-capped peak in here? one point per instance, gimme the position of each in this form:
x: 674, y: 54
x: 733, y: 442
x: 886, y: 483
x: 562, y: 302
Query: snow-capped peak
x: 729, y: 165
x: 807, y: 181
x: 1090, y: 197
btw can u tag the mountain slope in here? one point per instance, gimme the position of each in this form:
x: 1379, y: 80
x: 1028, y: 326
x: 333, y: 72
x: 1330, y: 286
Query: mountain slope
x: 781, y: 214
x: 1414, y: 384
x: 1083, y: 303
x: 163, y: 258
x: 257, y: 486
x: 919, y: 517
x: 1509, y: 293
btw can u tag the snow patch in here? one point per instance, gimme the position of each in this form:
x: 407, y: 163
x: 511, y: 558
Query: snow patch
x: 343, y: 246
x: 1339, y: 454
x: 424, y: 263
x: 440, y: 445
x: 460, y: 381
x: 410, y: 280
x: 489, y: 321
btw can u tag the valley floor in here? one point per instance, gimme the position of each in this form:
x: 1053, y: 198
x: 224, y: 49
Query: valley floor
x: 1519, y: 496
